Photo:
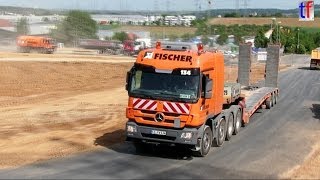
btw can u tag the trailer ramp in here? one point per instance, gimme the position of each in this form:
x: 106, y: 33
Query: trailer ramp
x: 257, y: 98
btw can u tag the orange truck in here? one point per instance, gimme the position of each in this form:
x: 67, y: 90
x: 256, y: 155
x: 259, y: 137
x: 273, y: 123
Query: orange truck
x: 44, y: 45
x: 177, y: 96
x: 315, y: 59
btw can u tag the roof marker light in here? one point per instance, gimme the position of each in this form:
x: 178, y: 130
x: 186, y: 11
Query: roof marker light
x: 200, y: 48
x: 158, y: 45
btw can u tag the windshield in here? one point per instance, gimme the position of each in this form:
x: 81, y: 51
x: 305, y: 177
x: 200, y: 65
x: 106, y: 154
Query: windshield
x: 137, y: 43
x: 50, y: 41
x: 165, y: 86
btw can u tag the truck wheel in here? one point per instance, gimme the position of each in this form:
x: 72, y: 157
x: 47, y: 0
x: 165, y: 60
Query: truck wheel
x: 230, y: 127
x: 238, y: 122
x: 221, y: 133
x: 206, y: 142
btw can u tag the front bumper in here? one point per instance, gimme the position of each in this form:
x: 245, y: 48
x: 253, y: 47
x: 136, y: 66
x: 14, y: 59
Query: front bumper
x: 314, y: 66
x: 172, y: 136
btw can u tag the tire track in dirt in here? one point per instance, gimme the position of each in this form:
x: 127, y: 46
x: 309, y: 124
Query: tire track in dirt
x: 46, y: 131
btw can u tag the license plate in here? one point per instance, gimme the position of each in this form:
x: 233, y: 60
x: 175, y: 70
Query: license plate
x: 156, y: 132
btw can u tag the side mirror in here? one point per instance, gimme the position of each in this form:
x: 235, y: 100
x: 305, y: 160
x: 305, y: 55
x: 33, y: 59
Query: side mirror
x: 208, y: 89
x: 128, y: 80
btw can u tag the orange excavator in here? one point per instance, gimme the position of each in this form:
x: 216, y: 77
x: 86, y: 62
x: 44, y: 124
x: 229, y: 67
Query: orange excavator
x: 40, y: 44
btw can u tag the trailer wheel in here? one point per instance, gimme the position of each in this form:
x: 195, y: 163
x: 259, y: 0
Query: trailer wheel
x: 274, y: 99
x: 238, y: 122
x: 206, y: 142
x: 221, y: 133
x: 269, y: 102
x: 230, y: 127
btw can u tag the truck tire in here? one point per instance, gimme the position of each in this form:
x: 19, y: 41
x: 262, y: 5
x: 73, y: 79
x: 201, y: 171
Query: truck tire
x: 238, y: 122
x: 230, y: 127
x: 206, y: 142
x: 221, y: 133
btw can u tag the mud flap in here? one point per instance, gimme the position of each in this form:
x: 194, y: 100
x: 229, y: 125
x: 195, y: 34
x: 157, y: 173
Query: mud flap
x: 215, y: 124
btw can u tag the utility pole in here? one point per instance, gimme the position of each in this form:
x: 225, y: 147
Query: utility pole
x: 278, y: 32
x: 298, y: 38
x: 272, y: 31
x: 210, y: 2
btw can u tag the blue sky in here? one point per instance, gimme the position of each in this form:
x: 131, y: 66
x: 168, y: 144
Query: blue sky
x: 150, y: 4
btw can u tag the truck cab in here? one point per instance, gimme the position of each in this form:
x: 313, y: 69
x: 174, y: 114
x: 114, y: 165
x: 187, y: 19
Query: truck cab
x: 173, y: 90
x: 315, y: 59
x: 177, y: 96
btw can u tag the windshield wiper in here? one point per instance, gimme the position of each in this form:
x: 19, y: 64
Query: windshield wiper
x: 142, y: 94
x: 166, y: 93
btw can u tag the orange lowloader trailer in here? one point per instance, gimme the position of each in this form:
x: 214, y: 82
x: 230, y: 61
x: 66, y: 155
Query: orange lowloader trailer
x: 177, y: 96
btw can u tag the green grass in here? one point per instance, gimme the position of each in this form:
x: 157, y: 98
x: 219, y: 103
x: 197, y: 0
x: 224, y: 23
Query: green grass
x: 311, y: 29
x: 108, y: 27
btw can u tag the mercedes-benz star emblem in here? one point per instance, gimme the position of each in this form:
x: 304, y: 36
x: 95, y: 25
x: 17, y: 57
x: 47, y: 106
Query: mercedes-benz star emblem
x: 159, y: 117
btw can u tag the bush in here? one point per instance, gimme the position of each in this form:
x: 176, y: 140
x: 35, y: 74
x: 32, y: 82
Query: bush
x: 301, y: 50
x: 121, y: 36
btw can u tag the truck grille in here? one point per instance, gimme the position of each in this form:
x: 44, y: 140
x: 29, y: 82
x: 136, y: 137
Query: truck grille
x: 152, y: 119
x: 165, y: 113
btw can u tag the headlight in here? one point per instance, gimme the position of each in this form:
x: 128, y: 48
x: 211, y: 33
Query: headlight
x: 186, y: 135
x: 131, y: 129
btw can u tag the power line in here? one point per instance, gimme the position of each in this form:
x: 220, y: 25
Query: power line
x: 237, y: 5
x: 156, y: 6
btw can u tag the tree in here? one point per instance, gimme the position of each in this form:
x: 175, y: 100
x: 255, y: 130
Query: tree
x: 121, y: 36
x: 317, y: 39
x: 22, y: 26
x: 278, y: 14
x: 158, y: 22
x: 222, y: 39
x: 76, y: 25
x: 232, y: 15
x: 45, y: 19
x: 301, y: 50
x: 260, y: 40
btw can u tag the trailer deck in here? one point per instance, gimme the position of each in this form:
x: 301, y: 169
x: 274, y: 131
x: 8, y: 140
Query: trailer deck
x: 255, y: 98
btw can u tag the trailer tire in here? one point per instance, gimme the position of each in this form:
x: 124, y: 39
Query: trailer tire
x: 230, y: 127
x: 238, y: 122
x: 275, y: 98
x: 269, y: 102
x: 206, y: 142
x: 221, y: 133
